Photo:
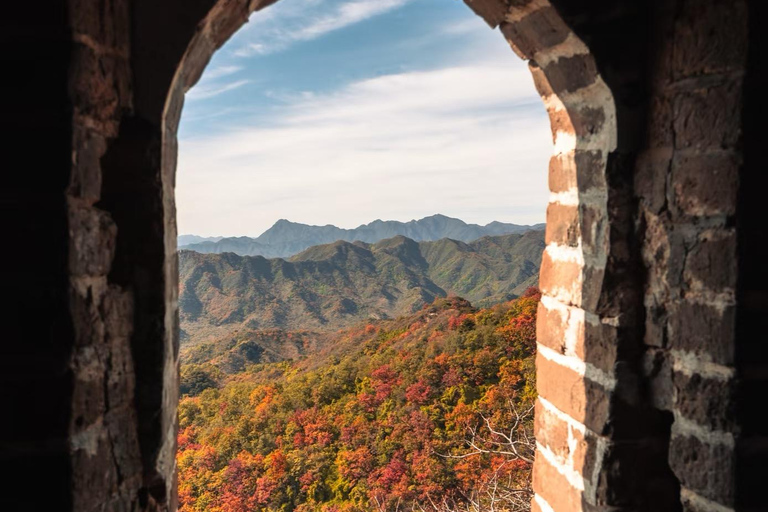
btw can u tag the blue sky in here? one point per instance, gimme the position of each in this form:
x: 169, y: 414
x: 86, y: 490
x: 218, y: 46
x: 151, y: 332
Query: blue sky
x: 346, y: 111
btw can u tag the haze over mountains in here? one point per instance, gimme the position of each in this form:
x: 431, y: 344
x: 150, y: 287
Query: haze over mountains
x: 285, y: 239
x: 340, y: 284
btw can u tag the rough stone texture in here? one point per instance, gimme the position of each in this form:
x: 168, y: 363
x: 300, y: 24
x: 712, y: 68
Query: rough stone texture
x: 655, y: 278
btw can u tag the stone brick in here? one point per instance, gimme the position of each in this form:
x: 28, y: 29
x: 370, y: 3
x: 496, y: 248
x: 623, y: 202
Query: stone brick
x: 592, y: 288
x: 537, y: 31
x: 692, y: 502
x: 199, y: 53
x: 563, y: 225
x: 601, y: 342
x: 711, y: 263
x: 706, y: 183
x: 590, y: 170
x: 561, y: 279
x: 651, y: 171
x: 706, y: 469
x: 655, y: 323
x: 582, y: 122
x: 657, y: 371
x: 551, y: 327
x: 94, y: 479
x: 566, y: 442
x: 92, y: 244
x: 107, y: 23
x: 633, y: 474
x: 535, y: 507
x: 86, y: 169
x: 594, y: 344
x: 556, y: 490
x: 122, y: 432
x: 88, y: 401
x: 579, y: 398
x: 706, y: 401
x: 583, y: 170
x: 540, y: 80
x: 661, y: 133
x: 709, y: 38
x: 569, y: 74
x: 100, y: 86
x: 593, y: 224
x: 226, y: 18
x: 572, y: 283
x: 562, y: 173
x: 587, y: 120
x: 695, y: 327
x: 559, y: 122
x: 708, y: 118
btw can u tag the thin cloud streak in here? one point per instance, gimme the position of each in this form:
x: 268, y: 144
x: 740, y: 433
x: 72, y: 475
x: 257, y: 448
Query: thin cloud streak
x: 281, y: 26
x: 221, y: 71
x: 375, y: 149
x: 203, y: 91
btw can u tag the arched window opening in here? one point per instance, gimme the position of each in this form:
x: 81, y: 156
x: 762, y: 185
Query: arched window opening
x: 359, y: 333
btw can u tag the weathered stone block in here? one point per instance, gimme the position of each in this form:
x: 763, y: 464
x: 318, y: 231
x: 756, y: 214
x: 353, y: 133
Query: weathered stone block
x: 569, y: 74
x: 711, y: 263
x: 601, y: 342
x: 561, y: 279
x: 563, y: 225
x: 92, y: 241
x: 101, y: 86
x: 706, y: 401
x: 554, y: 487
x: 590, y: 170
x: 107, y: 23
x: 706, y: 183
x: 695, y: 327
x: 571, y: 445
x: 657, y: 371
x: 562, y: 173
x: 708, y: 118
x: 578, y: 397
x: 661, y: 132
x: 551, y: 326
x: 709, y: 38
x: 86, y: 169
x: 651, y: 173
x: 707, y: 469
x: 537, y: 31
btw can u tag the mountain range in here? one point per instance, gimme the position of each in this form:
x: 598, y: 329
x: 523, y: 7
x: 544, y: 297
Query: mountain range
x: 183, y: 240
x: 331, y: 286
x: 285, y: 238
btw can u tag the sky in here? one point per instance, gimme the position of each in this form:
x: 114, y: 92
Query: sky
x: 346, y: 111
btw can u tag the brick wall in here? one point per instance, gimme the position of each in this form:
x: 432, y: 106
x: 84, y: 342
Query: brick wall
x: 687, y: 182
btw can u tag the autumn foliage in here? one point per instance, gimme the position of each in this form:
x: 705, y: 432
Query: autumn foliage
x: 428, y: 412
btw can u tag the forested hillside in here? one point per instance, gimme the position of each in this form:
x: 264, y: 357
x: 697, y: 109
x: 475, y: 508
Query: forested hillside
x: 230, y: 297
x: 430, y: 411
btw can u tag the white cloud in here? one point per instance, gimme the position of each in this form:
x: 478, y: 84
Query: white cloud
x: 209, y: 90
x: 470, y: 141
x: 281, y: 25
x: 221, y: 71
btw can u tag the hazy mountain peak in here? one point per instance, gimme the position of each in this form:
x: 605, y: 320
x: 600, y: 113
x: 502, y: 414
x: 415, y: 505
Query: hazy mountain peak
x: 286, y: 238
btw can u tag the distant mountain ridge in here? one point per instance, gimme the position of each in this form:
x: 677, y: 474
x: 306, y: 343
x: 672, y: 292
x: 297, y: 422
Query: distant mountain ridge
x: 341, y: 284
x: 183, y: 240
x: 285, y: 238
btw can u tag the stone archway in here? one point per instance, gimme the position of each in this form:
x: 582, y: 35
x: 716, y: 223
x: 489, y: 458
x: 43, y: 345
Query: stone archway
x: 637, y: 333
